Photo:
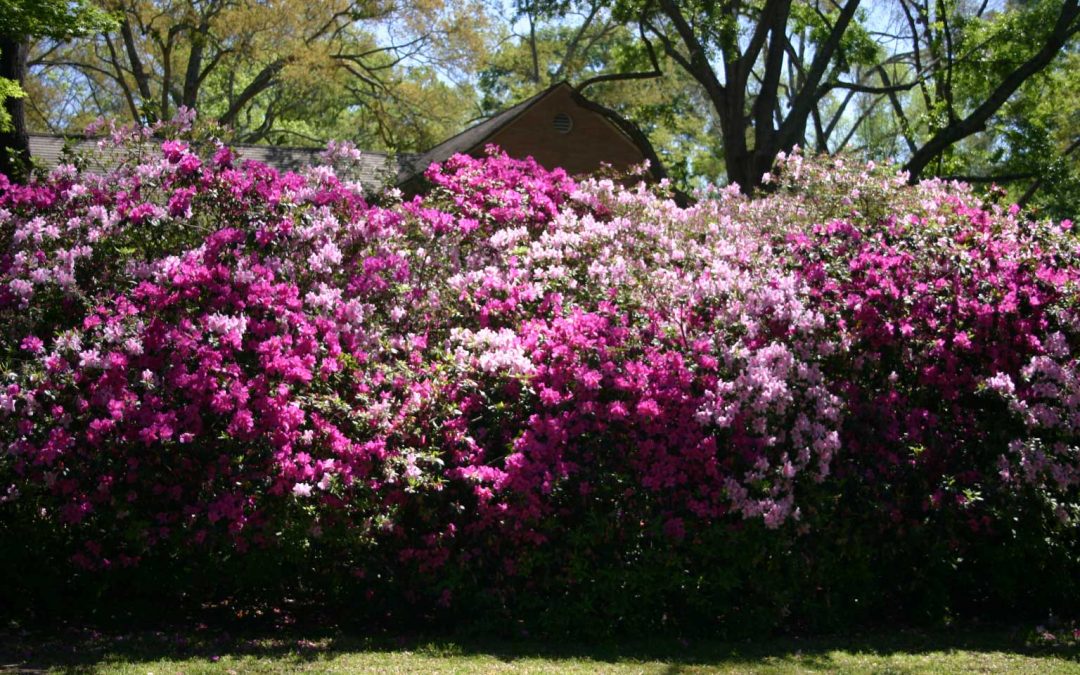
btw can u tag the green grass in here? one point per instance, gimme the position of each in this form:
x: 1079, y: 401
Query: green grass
x: 202, y: 651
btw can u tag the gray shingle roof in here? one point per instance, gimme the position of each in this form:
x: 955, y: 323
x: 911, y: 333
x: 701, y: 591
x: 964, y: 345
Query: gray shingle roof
x: 376, y: 169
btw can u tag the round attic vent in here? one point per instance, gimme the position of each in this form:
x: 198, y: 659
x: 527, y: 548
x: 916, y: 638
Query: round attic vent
x: 562, y: 123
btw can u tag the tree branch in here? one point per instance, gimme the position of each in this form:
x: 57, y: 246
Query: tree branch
x: 766, y: 23
x: 699, y: 59
x: 808, y: 96
x: 643, y: 75
x: 1065, y: 27
x: 260, y: 83
x: 768, y: 96
x: 839, y: 114
x: 572, y: 46
x: 894, y: 100
x: 137, y: 71
x: 866, y: 88
x: 855, y: 125
x: 122, y: 81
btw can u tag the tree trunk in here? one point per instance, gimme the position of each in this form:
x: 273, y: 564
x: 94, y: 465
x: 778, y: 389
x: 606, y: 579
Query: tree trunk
x: 737, y: 161
x: 738, y: 158
x: 14, y: 142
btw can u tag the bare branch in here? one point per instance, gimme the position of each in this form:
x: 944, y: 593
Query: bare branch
x: 894, y: 100
x: 122, y: 81
x: 866, y: 88
x: 259, y: 84
x: 855, y: 126
x: 137, y: 71
x: 644, y: 75
x: 575, y: 41
x: 809, y: 95
x: 768, y: 97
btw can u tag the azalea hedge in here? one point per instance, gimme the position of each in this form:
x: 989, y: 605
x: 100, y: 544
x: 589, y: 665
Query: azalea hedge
x: 525, y: 402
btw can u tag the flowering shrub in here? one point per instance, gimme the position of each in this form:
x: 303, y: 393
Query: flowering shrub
x: 518, y: 384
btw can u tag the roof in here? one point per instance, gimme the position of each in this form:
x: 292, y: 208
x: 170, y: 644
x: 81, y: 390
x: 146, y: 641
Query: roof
x: 470, y: 138
x: 375, y: 168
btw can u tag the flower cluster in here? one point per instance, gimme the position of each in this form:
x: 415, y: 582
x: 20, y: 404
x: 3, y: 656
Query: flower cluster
x: 200, y: 353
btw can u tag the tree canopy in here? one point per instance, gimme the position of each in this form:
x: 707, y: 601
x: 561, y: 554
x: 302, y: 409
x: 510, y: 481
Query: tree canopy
x: 21, y: 20
x: 279, y: 70
x: 976, y: 89
x: 781, y: 73
x: 947, y: 87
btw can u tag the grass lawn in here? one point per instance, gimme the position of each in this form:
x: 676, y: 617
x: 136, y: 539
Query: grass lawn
x: 203, y: 651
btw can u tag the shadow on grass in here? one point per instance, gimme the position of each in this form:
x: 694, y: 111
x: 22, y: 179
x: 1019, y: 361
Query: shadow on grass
x: 85, y: 650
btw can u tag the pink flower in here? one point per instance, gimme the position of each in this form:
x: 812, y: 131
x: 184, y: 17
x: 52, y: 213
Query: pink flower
x: 32, y: 344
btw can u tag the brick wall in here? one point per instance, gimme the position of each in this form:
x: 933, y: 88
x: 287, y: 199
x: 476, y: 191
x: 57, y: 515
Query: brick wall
x: 592, y: 140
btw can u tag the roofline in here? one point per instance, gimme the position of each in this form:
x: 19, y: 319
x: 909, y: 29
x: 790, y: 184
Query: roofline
x: 522, y: 106
x: 518, y: 109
